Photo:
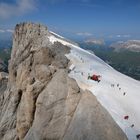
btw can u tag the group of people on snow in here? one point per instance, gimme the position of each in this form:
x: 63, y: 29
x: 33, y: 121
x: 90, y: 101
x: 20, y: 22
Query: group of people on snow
x: 126, y: 117
x: 97, y: 78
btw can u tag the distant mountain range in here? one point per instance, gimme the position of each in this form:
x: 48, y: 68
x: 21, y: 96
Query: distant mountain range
x: 5, y: 52
x: 117, y: 46
x: 131, y: 45
x: 123, y: 56
x: 95, y: 41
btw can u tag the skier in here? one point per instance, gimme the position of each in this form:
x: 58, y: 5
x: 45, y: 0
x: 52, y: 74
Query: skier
x: 132, y: 125
x: 124, y: 93
x: 126, y: 117
x: 138, y: 137
x: 117, y: 85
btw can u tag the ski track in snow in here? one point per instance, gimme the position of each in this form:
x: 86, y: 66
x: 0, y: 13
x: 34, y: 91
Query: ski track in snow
x: 117, y: 104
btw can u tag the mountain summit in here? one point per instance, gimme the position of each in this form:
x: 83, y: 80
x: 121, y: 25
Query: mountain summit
x: 49, y: 95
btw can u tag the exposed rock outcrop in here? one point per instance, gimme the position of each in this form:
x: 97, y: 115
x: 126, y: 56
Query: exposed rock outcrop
x: 3, y: 75
x: 3, y: 86
x: 41, y: 102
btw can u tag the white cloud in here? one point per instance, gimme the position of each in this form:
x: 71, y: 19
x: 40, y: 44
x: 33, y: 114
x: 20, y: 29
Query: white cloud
x: 84, y: 34
x: 20, y: 7
x: 10, y: 30
x: 2, y: 31
x: 123, y: 36
x: 118, y: 35
x: 127, y: 36
x: 6, y: 31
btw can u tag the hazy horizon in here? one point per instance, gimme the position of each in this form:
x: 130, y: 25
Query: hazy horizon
x: 77, y: 19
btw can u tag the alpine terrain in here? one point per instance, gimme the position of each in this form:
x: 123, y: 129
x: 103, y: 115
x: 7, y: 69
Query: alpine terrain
x: 51, y: 94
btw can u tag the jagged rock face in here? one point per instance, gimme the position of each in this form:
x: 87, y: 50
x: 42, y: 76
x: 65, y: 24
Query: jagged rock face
x: 3, y: 86
x: 41, y: 102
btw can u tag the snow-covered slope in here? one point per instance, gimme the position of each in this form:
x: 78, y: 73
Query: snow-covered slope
x: 111, y: 97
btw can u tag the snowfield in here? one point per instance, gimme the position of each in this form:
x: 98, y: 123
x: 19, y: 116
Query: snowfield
x: 107, y: 92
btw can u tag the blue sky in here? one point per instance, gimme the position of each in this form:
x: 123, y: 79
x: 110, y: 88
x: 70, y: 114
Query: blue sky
x: 75, y: 18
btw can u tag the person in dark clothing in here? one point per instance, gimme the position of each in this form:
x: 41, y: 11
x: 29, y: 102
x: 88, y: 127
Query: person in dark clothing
x: 138, y: 137
x: 126, y: 117
x: 117, y: 85
x: 124, y: 93
x: 132, y: 125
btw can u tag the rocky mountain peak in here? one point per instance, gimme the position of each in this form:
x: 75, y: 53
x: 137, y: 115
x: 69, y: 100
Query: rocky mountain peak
x: 41, y: 102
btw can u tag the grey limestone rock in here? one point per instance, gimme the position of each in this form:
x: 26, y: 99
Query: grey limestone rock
x: 41, y: 102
